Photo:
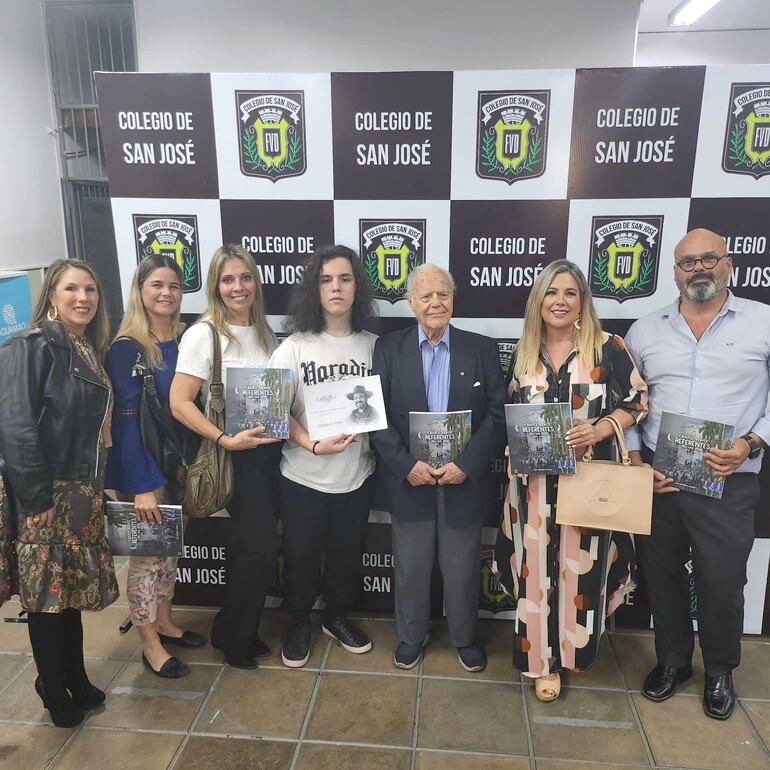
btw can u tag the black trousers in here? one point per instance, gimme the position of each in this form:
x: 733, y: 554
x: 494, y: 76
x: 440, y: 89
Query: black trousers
x: 252, y: 548
x: 721, y: 534
x: 317, y: 524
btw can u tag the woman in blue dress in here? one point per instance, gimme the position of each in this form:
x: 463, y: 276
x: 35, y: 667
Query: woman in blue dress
x: 150, y: 326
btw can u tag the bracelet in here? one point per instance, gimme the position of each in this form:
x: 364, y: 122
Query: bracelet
x: 315, y: 444
x: 216, y: 443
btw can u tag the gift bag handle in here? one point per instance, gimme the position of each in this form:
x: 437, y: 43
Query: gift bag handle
x: 620, y: 440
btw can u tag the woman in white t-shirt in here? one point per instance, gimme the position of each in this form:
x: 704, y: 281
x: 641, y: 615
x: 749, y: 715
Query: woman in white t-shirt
x: 236, y: 310
x: 325, y: 485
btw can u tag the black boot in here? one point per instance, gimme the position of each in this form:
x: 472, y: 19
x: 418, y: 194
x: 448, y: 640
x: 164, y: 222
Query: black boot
x: 85, y: 695
x: 45, y: 636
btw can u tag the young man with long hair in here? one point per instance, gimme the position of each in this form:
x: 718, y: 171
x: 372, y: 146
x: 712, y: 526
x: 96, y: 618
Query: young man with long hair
x: 325, y: 484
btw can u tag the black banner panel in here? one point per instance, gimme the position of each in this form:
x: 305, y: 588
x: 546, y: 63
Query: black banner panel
x: 632, y: 136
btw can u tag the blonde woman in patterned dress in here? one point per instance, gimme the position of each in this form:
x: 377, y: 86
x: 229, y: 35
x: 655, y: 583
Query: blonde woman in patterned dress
x: 55, y: 405
x: 566, y: 580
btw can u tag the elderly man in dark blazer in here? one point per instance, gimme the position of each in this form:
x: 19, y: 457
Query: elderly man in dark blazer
x: 434, y: 367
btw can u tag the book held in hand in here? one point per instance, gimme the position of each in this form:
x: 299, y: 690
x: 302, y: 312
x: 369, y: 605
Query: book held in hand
x: 352, y: 405
x: 537, y: 438
x: 682, y: 442
x: 130, y: 537
x: 438, y: 438
x: 258, y: 397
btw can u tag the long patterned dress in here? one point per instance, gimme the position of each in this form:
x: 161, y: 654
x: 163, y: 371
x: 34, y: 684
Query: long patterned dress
x: 566, y: 579
x: 69, y: 563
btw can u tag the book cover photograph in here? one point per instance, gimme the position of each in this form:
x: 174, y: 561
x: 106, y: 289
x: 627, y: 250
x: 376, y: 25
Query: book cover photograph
x: 438, y: 438
x: 130, y: 537
x: 682, y: 442
x: 353, y: 405
x: 537, y: 438
x: 255, y: 397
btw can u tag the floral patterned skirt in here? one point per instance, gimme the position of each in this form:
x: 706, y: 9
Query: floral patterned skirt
x: 69, y: 563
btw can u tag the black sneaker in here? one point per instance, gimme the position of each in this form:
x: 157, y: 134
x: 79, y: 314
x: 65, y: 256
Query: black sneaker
x: 296, y: 650
x: 348, y: 636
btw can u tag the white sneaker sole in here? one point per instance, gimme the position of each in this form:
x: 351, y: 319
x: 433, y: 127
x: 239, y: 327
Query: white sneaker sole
x: 471, y: 669
x: 295, y: 663
x: 354, y: 650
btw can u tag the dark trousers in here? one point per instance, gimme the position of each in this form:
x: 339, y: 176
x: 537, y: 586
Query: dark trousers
x: 251, y: 550
x: 415, y: 544
x: 318, y: 524
x: 57, y: 646
x: 721, y: 534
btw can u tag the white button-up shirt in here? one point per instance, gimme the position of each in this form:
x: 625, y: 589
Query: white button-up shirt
x: 724, y: 376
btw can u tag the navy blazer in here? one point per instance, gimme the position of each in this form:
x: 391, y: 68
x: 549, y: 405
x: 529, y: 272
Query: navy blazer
x: 476, y: 383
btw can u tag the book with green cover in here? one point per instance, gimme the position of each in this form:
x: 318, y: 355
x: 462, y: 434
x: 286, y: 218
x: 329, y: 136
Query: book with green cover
x: 682, y: 442
x: 438, y: 438
x: 537, y: 438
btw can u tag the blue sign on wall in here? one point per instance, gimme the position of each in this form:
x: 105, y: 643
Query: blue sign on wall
x: 15, y: 305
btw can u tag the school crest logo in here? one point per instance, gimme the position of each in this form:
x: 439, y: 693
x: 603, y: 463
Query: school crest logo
x: 271, y: 133
x: 390, y: 251
x: 505, y: 349
x: 175, y: 236
x: 747, y: 136
x: 493, y: 597
x: 625, y: 253
x: 512, y: 134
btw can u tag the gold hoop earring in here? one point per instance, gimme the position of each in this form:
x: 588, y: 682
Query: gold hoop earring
x: 52, y: 316
x: 576, y: 322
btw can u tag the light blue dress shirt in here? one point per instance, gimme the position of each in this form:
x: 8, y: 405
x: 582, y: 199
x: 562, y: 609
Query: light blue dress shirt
x: 435, y: 370
x: 724, y: 376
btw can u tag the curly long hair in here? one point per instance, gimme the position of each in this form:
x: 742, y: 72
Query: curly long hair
x: 305, y: 311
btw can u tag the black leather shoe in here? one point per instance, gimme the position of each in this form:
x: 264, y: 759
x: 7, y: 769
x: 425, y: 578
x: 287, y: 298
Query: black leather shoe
x: 661, y: 682
x: 187, y: 639
x: 719, y: 696
x: 246, y: 662
x: 88, y: 697
x: 260, y: 650
x: 173, y: 668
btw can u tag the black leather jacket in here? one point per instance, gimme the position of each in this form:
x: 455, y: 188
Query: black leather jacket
x: 52, y: 409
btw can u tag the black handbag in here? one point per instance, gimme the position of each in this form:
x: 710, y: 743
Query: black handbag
x: 160, y: 435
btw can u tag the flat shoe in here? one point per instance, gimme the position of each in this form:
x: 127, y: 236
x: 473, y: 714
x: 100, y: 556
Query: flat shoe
x: 548, y: 688
x: 173, y: 668
x: 187, y: 639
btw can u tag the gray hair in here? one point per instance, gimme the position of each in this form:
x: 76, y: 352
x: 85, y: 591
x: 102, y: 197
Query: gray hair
x: 435, y: 268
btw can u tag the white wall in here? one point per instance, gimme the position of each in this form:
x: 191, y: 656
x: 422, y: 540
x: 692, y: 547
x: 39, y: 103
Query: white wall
x: 361, y: 35
x: 723, y: 47
x: 31, y: 219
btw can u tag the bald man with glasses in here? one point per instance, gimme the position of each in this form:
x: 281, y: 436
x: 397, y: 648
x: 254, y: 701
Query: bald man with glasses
x: 706, y: 356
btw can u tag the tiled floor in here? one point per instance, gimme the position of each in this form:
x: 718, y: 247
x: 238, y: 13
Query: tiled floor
x: 358, y: 711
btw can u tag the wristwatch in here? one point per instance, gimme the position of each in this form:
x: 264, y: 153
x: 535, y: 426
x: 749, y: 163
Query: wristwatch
x: 754, y: 446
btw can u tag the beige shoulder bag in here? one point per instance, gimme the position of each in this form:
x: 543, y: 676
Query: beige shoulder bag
x: 607, y: 495
x: 210, y: 482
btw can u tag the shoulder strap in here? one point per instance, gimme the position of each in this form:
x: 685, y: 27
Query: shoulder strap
x: 216, y: 369
x: 216, y: 387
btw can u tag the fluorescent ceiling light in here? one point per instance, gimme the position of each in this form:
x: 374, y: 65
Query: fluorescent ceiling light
x: 689, y: 11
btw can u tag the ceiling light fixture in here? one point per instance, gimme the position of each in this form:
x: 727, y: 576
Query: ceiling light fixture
x: 689, y: 11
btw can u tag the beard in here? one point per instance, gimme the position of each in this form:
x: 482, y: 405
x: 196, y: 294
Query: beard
x: 703, y: 287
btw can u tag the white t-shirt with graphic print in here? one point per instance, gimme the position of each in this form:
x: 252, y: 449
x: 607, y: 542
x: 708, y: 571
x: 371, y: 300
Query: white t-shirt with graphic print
x: 315, y: 358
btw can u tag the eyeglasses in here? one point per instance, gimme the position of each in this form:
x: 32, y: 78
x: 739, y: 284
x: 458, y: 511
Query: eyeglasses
x: 688, y: 263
